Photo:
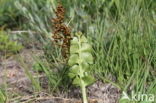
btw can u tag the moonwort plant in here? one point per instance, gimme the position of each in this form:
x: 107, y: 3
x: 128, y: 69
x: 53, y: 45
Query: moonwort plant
x: 80, y: 60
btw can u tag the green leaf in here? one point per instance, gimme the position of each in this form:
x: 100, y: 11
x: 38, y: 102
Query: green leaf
x: 77, y: 81
x: 38, y: 67
x: 73, y: 59
x: 88, y: 80
x: 124, y: 101
x: 83, y: 39
x: 86, y: 47
x: 2, y: 97
x: 74, y: 41
x: 85, y: 66
x: 74, y: 69
x: 74, y: 48
x: 71, y: 75
x: 87, y: 57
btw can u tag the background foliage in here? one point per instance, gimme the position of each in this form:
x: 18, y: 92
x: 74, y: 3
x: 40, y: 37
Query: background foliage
x: 7, y: 46
x: 122, y: 33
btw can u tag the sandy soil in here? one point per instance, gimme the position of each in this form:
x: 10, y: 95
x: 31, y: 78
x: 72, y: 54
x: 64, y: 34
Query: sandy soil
x: 13, y: 76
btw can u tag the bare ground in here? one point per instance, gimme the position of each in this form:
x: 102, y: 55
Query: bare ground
x: 20, y: 89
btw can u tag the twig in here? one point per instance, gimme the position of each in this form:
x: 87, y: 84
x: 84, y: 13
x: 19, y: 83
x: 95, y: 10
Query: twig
x: 24, y: 31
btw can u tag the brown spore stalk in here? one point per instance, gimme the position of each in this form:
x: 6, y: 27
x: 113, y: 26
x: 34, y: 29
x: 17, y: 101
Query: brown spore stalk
x: 62, y: 33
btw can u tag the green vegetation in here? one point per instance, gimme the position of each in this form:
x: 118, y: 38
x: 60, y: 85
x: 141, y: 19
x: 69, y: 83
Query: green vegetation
x: 3, y: 97
x: 80, y: 60
x: 38, y: 15
x: 9, y: 16
x: 8, y: 47
x: 56, y: 80
x: 122, y: 34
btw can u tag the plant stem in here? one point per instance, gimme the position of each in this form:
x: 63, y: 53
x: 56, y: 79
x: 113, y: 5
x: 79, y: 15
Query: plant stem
x: 84, y: 94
